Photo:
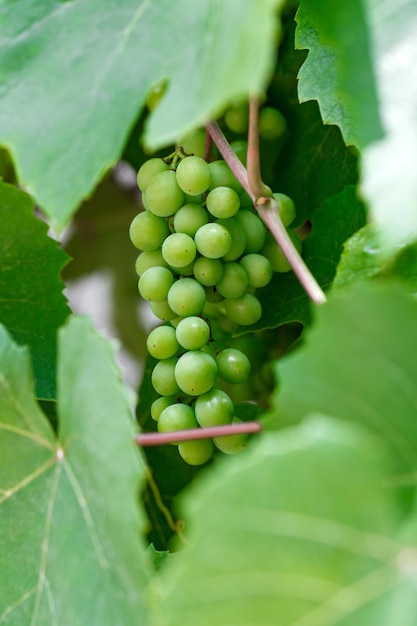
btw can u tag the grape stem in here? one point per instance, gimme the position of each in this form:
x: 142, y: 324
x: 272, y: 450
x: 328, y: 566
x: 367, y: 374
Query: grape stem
x: 266, y: 206
x: 159, y: 439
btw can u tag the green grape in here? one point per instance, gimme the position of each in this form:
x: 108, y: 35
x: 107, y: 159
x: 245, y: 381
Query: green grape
x: 222, y: 176
x: 272, y: 124
x: 232, y: 444
x: 148, y: 170
x: 245, y: 310
x: 186, y: 297
x: 189, y: 218
x: 223, y: 202
x: 163, y: 197
x: 160, y: 404
x: 258, y: 269
x: 194, y: 142
x: 213, y: 240
x: 254, y: 228
x: 147, y: 231
x: 192, y: 332
x: 237, y: 233
x: 155, y: 283
x: 233, y: 366
x: 163, y: 310
x: 186, y: 270
x: 286, y: 208
x: 237, y: 117
x: 273, y: 252
x: 179, y: 250
x: 155, y: 94
x: 176, y: 416
x: 195, y: 372
x: 208, y: 272
x: 162, y: 342
x: 193, y: 175
x: 163, y: 377
x: 240, y: 148
x: 234, y: 282
x: 214, y: 408
x: 196, y: 452
x: 149, y: 258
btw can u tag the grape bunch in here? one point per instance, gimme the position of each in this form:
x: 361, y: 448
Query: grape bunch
x: 204, y: 253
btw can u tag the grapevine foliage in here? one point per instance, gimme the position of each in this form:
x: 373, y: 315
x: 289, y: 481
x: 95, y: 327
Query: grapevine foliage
x: 310, y: 521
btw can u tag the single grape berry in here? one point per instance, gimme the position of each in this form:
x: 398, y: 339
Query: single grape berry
x: 222, y: 176
x: 192, y: 332
x: 163, y: 311
x: 273, y: 252
x: 208, y: 272
x: 234, y: 282
x: 214, y: 408
x: 163, y: 377
x: 233, y: 366
x: 163, y: 196
x: 186, y: 297
x: 237, y: 117
x: 237, y: 233
x: 160, y: 404
x: 194, y: 142
x: 272, y: 124
x: 286, y: 208
x: 176, y: 416
x: 179, y: 250
x: 148, y: 170
x: 189, y: 218
x: 232, y: 444
x: 149, y: 258
x: 162, y: 342
x: 258, y: 269
x: 245, y: 310
x: 213, y: 240
x: 254, y: 228
x: 195, y: 372
x: 223, y: 202
x: 147, y: 231
x: 193, y: 175
x: 155, y: 283
x: 196, y: 452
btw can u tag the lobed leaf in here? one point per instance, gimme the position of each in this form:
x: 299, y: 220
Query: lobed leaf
x: 69, y: 547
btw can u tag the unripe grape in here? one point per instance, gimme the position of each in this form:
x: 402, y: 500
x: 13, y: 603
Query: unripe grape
x: 286, y: 208
x: 160, y: 404
x: 223, y: 202
x: 233, y: 366
x: 234, y: 281
x: 208, y: 272
x: 195, y: 372
x: 176, y: 416
x: 186, y: 297
x: 222, y: 176
x: 163, y: 310
x: 155, y: 283
x: 148, y: 170
x: 163, y: 196
x: 254, y: 228
x: 245, y: 310
x: 232, y: 444
x: 237, y: 117
x: 258, y: 269
x: 149, y: 258
x: 147, y: 231
x: 213, y: 240
x: 214, y: 408
x: 240, y: 148
x: 179, y: 250
x: 162, y: 342
x: 192, y: 332
x: 193, y: 175
x: 272, y: 124
x: 196, y: 452
x: 213, y: 296
x: 194, y: 142
x: 238, y: 236
x: 163, y: 377
x: 273, y: 252
x: 189, y: 218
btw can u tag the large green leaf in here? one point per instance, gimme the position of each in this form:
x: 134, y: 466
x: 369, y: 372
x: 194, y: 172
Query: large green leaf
x: 297, y: 531
x: 69, y: 545
x: 32, y: 305
x: 77, y: 73
x: 358, y: 362
x: 389, y: 181
x: 338, y: 71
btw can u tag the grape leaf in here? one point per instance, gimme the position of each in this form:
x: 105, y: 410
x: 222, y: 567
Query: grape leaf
x: 79, y: 76
x: 389, y: 178
x: 338, y: 71
x: 298, y: 531
x: 284, y: 300
x: 32, y: 305
x: 358, y: 363
x: 69, y: 547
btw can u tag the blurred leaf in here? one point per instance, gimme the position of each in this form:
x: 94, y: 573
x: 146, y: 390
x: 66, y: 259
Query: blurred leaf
x: 389, y: 180
x: 358, y: 363
x: 298, y: 530
x: 360, y: 258
x: 69, y: 549
x: 284, y: 300
x: 79, y: 75
x: 338, y: 72
x: 32, y: 305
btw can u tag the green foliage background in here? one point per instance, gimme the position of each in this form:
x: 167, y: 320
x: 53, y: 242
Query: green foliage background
x: 315, y: 524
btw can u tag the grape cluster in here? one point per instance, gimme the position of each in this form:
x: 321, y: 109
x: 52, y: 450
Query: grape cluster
x: 205, y: 252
